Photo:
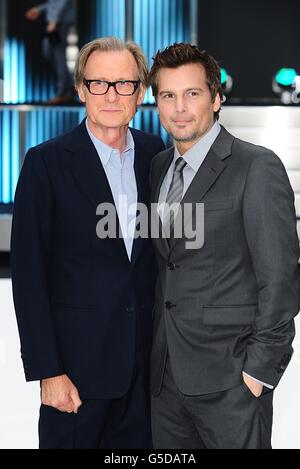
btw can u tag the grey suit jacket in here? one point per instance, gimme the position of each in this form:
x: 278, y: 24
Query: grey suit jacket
x: 228, y: 306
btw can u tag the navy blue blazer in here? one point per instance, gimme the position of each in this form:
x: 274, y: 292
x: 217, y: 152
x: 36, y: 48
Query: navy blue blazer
x: 78, y: 299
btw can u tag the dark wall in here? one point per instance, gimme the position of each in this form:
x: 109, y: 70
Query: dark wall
x: 252, y: 39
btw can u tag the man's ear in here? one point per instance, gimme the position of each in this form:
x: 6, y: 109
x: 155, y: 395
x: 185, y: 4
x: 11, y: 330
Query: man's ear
x: 217, y: 104
x: 80, y: 92
x: 142, y: 93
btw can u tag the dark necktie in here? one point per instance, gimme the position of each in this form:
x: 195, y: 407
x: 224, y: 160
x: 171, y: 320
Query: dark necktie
x: 175, y: 193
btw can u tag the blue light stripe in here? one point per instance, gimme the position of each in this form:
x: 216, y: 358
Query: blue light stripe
x: 108, y: 18
x: 137, y: 24
x: 165, y: 23
x: 6, y: 174
x: 22, y: 74
x: 15, y: 153
x: 7, y: 72
x: 122, y: 20
x: 101, y: 20
x: 29, y: 86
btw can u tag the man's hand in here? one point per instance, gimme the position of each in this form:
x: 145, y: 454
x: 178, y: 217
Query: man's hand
x: 51, y: 26
x: 32, y: 14
x: 60, y: 393
x: 255, y: 388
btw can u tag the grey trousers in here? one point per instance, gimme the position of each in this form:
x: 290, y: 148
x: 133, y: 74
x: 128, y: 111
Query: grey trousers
x: 231, y: 419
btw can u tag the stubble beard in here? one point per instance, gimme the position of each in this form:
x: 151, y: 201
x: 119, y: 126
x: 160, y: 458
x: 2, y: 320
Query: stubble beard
x: 190, y: 138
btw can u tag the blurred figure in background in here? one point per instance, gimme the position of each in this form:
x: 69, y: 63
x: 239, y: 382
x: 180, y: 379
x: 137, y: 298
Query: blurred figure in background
x: 60, y: 16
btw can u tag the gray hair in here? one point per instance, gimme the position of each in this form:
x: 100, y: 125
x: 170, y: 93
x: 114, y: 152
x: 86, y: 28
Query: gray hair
x: 110, y: 44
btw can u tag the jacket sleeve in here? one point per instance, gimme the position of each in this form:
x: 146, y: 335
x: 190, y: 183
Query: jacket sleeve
x: 55, y: 10
x: 270, y: 227
x: 160, y: 147
x: 33, y: 220
x: 41, y: 7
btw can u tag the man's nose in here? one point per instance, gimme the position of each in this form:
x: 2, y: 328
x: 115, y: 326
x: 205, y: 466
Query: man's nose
x: 180, y: 104
x: 111, y: 95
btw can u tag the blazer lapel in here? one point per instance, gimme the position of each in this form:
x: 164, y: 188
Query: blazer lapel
x: 158, y: 177
x: 90, y: 175
x: 208, y: 173
x: 142, y: 182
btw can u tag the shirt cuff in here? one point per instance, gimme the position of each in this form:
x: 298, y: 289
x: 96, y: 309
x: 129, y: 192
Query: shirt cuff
x: 269, y: 386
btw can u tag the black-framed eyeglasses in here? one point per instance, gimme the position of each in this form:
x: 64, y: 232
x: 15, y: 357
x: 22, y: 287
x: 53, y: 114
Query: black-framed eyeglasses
x: 123, y: 88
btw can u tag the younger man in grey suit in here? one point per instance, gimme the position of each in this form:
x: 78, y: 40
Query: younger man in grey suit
x: 223, y: 320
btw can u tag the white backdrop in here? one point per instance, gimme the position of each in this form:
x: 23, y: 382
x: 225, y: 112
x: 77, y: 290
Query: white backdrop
x: 19, y: 402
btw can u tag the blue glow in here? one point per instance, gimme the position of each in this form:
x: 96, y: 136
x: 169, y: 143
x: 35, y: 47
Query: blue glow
x: 224, y: 76
x: 14, y: 72
x: 41, y: 125
x: 7, y: 71
x: 166, y: 24
x: 6, y: 175
x: 29, y: 95
x: 172, y: 23
x: 137, y: 22
x: 22, y: 74
x: 15, y: 153
x: 109, y: 18
x: 15, y: 84
x: 286, y: 76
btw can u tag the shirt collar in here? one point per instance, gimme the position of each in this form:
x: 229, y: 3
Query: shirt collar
x: 196, y: 155
x: 105, y: 151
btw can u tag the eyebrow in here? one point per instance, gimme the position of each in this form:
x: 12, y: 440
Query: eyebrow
x: 119, y: 79
x: 196, y: 88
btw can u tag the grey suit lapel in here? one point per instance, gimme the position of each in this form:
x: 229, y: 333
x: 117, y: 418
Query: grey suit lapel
x: 208, y: 173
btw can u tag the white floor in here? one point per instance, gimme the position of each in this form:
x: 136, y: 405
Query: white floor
x: 19, y: 402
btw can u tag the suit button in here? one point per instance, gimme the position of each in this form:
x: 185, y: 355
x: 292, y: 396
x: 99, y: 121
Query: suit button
x: 171, y: 266
x: 169, y: 305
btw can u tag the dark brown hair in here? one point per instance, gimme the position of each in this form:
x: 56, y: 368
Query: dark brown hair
x: 177, y: 55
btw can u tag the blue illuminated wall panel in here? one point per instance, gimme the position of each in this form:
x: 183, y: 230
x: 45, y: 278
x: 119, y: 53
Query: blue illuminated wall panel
x: 23, y: 84
x: 42, y: 124
x: 23, y: 129
x: 106, y: 18
x: 28, y: 78
x: 9, y: 154
x: 159, y: 23
x: 147, y: 120
x: 14, y: 71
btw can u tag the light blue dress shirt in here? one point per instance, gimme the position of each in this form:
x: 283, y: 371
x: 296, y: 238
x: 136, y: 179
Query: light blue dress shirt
x: 119, y: 170
x: 194, y: 159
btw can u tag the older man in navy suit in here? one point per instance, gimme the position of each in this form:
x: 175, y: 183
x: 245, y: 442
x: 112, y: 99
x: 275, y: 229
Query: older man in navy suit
x: 84, y: 303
